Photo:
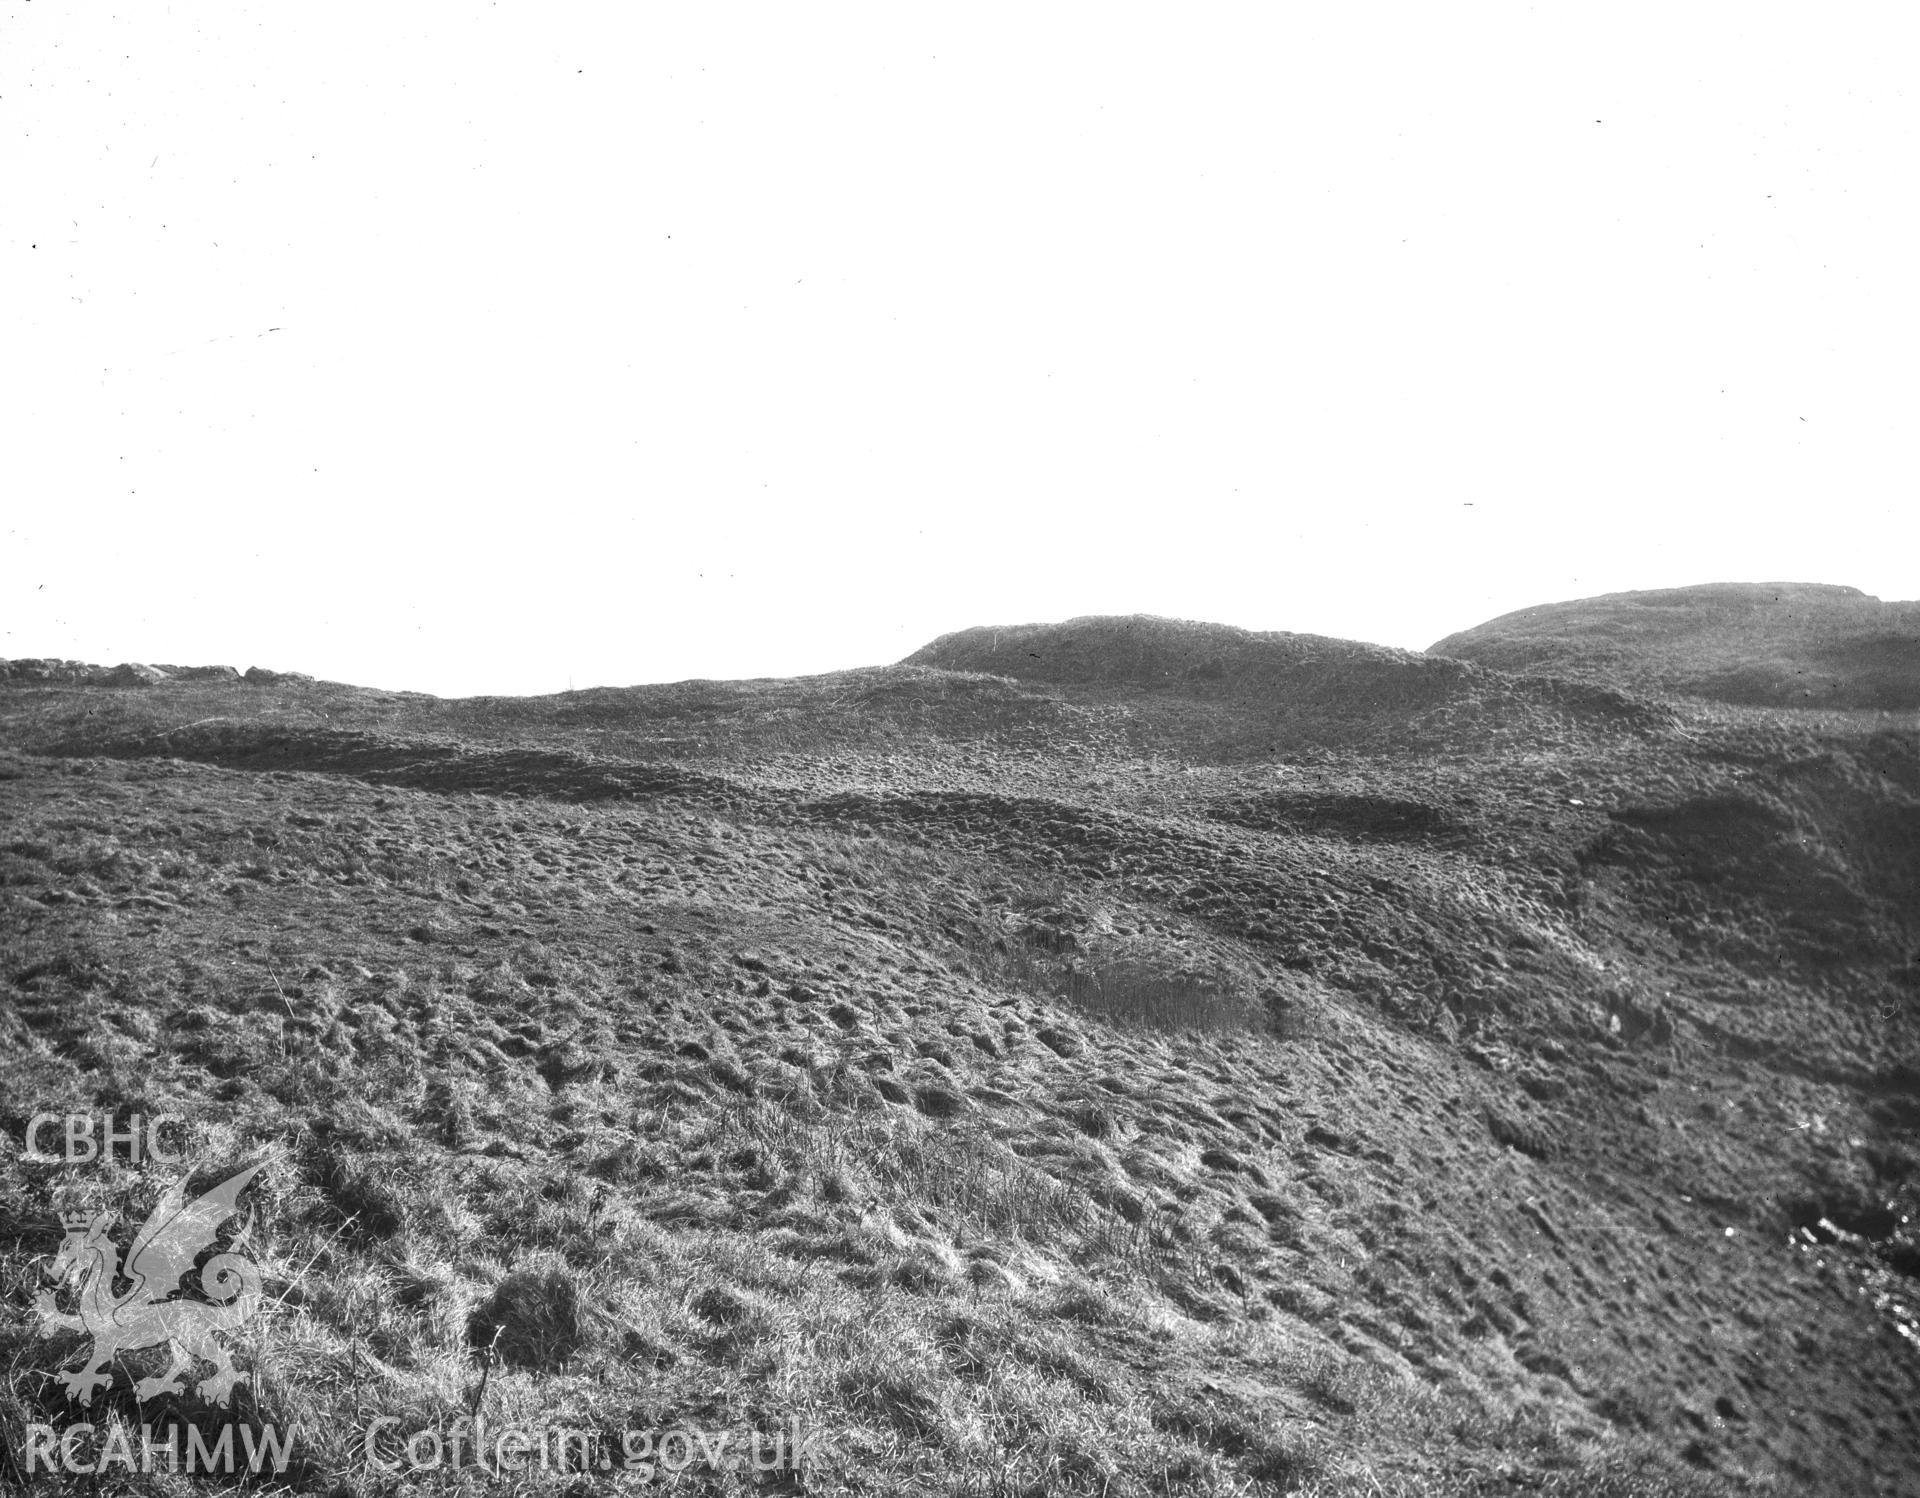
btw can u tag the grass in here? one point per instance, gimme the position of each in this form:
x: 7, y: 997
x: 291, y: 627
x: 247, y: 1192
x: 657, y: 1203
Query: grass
x: 947, y: 1096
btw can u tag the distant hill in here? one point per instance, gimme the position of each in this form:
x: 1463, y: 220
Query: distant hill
x: 1243, y: 691
x: 1757, y: 644
x: 1146, y: 650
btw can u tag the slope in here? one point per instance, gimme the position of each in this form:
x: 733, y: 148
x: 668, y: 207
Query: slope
x: 1038, y: 1085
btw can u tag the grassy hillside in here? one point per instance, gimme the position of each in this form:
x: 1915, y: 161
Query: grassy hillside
x: 1760, y: 644
x: 1196, y: 1062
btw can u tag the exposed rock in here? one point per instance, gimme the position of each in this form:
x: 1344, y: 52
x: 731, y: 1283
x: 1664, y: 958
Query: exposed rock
x: 44, y: 668
x: 133, y: 674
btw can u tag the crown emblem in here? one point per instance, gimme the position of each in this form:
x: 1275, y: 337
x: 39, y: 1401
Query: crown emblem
x: 76, y: 1219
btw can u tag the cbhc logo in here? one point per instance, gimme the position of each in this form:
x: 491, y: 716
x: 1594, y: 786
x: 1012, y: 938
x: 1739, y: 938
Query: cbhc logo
x: 88, y: 1138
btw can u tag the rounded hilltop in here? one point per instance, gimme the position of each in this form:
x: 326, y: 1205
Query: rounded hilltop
x: 1147, y: 650
x: 1779, y: 644
x: 1275, y: 687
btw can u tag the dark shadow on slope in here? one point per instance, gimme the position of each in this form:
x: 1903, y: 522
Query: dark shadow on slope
x: 1705, y: 864
x: 415, y: 764
x: 1374, y: 818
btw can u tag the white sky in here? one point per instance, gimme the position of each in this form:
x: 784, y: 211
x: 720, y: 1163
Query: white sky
x: 492, y: 347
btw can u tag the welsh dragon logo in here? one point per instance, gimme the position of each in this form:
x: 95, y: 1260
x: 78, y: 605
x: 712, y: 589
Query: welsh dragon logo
x: 177, y: 1232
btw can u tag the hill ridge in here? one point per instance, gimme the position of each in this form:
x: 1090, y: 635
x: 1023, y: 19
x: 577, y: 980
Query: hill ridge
x: 1775, y: 644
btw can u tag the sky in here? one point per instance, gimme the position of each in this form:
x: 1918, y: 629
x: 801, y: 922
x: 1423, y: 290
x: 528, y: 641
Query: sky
x: 507, y: 347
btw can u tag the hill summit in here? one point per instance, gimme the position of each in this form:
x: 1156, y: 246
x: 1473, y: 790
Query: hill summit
x: 1146, y: 650
x: 1755, y: 644
x: 1245, y: 692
